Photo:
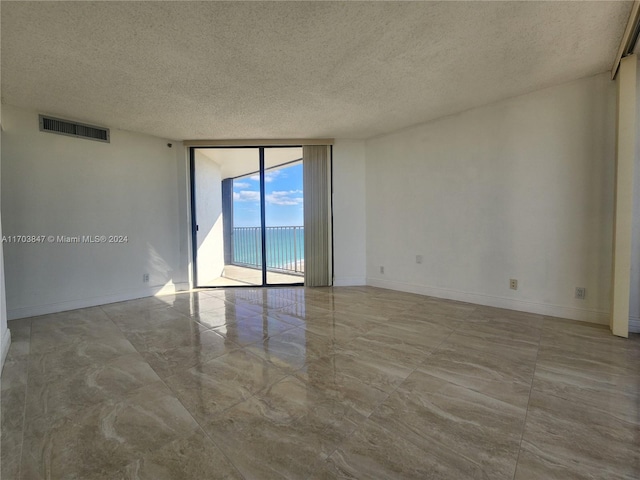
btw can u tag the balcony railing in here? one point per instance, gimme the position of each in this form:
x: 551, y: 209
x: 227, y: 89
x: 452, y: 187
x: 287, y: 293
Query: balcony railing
x: 285, y: 248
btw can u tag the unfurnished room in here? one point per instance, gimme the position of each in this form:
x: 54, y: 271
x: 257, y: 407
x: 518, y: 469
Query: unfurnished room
x: 316, y: 240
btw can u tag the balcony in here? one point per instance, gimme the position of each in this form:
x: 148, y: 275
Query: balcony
x: 285, y: 257
x: 284, y: 248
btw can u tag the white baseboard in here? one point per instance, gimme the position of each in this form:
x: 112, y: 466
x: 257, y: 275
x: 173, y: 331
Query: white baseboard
x: 634, y: 324
x: 34, y: 310
x: 585, y: 315
x: 4, y: 348
x: 181, y: 287
x: 349, y: 281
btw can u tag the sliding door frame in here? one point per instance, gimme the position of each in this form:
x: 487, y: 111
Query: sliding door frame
x: 263, y: 219
x: 194, y: 224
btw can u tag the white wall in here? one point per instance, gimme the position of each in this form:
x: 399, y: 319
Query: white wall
x: 349, y: 212
x: 5, y: 334
x: 634, y: 297
x: 518, y: 189
x: 57, y: 185
x: 183, y: 274
x: 210, y: 239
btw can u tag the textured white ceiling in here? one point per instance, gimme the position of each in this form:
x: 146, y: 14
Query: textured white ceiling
x: 196, y: 70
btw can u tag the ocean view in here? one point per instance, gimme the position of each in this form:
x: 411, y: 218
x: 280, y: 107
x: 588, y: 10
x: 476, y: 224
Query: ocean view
x: 284, y: 247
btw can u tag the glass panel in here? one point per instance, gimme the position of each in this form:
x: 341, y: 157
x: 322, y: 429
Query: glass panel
x: 284, y: 215
x: 227, y: 196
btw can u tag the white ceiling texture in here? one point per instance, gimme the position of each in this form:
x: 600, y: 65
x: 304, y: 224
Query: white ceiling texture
x: 231, y: 70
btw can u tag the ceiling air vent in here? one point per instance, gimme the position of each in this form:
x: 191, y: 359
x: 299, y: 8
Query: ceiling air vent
x: 73, y: 129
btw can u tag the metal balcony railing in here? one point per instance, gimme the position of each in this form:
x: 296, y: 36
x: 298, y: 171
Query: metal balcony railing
x: 284, y: 248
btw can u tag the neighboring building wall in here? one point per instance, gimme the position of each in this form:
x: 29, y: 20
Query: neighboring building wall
x: 57, y: 185
x: 520, y: 189
x: 349, y: 212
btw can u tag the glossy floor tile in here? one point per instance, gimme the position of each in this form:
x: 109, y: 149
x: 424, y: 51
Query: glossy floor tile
x: 322, y: 383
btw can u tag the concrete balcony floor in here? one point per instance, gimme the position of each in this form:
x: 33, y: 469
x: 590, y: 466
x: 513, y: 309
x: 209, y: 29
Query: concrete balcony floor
x: 234, y: 275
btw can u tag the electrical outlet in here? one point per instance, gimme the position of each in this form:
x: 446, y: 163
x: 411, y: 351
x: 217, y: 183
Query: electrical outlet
x: 145, y: 278
x: 381, y: 269
x: 418, y: 258
x: 513, y: 284
x: 581, y: 293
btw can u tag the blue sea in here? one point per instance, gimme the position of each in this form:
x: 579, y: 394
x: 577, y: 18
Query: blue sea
x: 285, y: 247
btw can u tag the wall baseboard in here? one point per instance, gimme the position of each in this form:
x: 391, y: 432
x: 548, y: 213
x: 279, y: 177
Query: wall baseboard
x: 584, y: 315
x: 593, y: 316
x: 181, y: 287
x: 634, y: 324
x: 32, y: 311
x: 349, y: 281
x: 4, y: 348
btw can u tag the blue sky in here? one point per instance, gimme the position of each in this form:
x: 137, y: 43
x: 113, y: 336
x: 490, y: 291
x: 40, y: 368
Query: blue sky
x: 283, y: 191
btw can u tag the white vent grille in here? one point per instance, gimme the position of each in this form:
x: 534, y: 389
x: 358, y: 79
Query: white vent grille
x: 73, y: 129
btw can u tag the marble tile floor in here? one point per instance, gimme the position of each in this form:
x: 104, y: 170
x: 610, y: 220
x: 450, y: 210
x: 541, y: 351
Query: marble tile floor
x: 327, y: 383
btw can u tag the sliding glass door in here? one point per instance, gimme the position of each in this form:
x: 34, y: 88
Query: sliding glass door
x: 284, y: 203
x: 247, y: 222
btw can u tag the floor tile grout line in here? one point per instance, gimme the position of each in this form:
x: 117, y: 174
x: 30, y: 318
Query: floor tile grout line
x: 160, y: 379
x: 585, y: 406
x: 524, y: 422
x: 253, y: 395
x: 24, y: 407
x: 440, y: 444
x: 175, y: 395
x: 474, y: 389
x: 368, y: 417
x: 457, y: 327
x: 240, y: 347
x: 419, y: 364
x: 217, y: 446
x: 460, y: 325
